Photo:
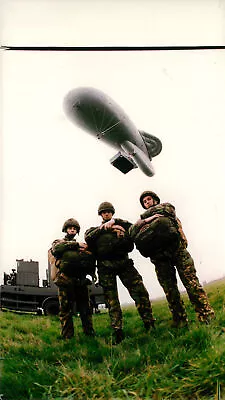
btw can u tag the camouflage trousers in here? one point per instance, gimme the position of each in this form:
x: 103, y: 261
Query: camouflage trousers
x: 132, y: 280
x: 67, y: 298
x: 166, y: 273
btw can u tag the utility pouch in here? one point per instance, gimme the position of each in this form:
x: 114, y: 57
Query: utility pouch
x: 61, y: 280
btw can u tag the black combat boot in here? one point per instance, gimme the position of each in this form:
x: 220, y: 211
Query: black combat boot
x: 118, y: 336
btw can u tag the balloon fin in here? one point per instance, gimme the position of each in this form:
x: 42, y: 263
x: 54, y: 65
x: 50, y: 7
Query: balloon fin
x: 153, y: 144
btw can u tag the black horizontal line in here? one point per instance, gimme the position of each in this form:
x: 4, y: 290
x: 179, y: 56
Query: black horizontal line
x: 109, y: 48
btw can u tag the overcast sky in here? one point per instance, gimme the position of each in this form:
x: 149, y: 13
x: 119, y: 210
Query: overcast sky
x: 52, y: 170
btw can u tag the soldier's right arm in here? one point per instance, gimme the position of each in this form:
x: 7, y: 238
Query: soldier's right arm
x: 59, y: 246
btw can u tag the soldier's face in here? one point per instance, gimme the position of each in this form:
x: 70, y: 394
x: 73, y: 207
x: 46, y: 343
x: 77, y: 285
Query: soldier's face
x: 106, y: 215
x: 148, y: 202
x: 71, y: 230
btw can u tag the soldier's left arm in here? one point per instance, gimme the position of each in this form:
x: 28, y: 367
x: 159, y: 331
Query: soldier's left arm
x: 181, y: 232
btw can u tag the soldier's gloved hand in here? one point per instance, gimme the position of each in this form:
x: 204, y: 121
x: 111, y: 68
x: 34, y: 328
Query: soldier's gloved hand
x: 108, y: 224
x: 120, y: 231
x: 83, y: 246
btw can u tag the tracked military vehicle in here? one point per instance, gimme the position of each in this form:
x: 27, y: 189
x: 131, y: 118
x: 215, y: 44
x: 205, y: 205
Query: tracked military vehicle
x: 21, y: 291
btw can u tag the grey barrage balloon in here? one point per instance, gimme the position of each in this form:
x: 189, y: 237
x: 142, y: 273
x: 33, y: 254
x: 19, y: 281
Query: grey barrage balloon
x: 99, y: 115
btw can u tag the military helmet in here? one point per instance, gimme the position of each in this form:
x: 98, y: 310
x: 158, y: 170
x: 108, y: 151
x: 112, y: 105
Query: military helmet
x: 106, y: 206
x: 71, y: 222
x: 149, y: 193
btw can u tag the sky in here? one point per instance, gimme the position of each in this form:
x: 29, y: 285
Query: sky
x: 53, y: 170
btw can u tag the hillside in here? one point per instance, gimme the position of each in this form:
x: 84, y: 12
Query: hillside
x: 167, y: 363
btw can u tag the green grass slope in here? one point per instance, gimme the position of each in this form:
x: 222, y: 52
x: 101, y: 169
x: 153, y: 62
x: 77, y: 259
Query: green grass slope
x: 167, y: 363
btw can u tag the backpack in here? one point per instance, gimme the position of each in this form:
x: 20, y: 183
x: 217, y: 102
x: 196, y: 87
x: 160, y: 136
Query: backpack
x: 159, y: 237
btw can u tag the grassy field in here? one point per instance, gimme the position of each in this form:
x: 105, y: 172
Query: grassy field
x: 168, y: 363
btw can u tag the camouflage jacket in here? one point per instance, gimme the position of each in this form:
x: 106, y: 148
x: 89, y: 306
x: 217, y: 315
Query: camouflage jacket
x: 106, y: 244
x: 165, y: 209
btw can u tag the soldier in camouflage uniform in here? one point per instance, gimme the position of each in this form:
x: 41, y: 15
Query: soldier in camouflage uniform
x: 165, y: 258
x: 71, y: 279
x: 111, y: 243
